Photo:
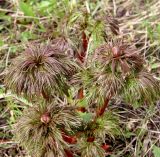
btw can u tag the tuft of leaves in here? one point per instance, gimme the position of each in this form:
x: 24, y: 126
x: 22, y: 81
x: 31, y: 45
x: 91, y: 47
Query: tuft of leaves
x: 90, y: 149
x: 107, y: 125
x: 119, y: 57
x: 40, y: 71
x: 41, y: 129
x: 141, y: 88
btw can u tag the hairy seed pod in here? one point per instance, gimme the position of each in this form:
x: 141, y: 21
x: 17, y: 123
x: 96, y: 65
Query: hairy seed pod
x: 45, y: 118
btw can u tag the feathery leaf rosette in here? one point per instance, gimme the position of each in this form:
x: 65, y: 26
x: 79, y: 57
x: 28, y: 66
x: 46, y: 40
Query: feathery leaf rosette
x: 141, y: 87
x: 106, y: 125
x: 119, y: 56
x: 40, y: 70
x: 99, y: 83
x: 91, y: 149
x: 39, y: 130
x: 108, y: 83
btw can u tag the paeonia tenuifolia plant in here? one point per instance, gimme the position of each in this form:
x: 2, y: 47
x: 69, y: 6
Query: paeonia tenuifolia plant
x: 70, y: 80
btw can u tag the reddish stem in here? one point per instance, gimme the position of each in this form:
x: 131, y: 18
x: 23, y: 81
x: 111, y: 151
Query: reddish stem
x: 81, y: 57
x: 81, y: 109
x: 85, y: 44
x: 81, y: 96
x: 80, y: 93
x: 90, y: 139
x: 101, y: 111
x: 69, y: 139
x: 82, y: 54
x: 68, y: 153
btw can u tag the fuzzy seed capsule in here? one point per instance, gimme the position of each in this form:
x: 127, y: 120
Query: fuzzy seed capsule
x: 115, y: 51
x: 45, y: 118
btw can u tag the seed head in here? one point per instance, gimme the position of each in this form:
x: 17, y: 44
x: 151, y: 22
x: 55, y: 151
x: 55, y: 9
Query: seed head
x: 45, y: 118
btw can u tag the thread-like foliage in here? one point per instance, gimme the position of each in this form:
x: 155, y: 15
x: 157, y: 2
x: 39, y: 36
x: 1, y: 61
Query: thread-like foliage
x: 90, y: 149
x: 40, y: 71
x: 41, y: 129
x: 119, y: 56
x: 141, y: 88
